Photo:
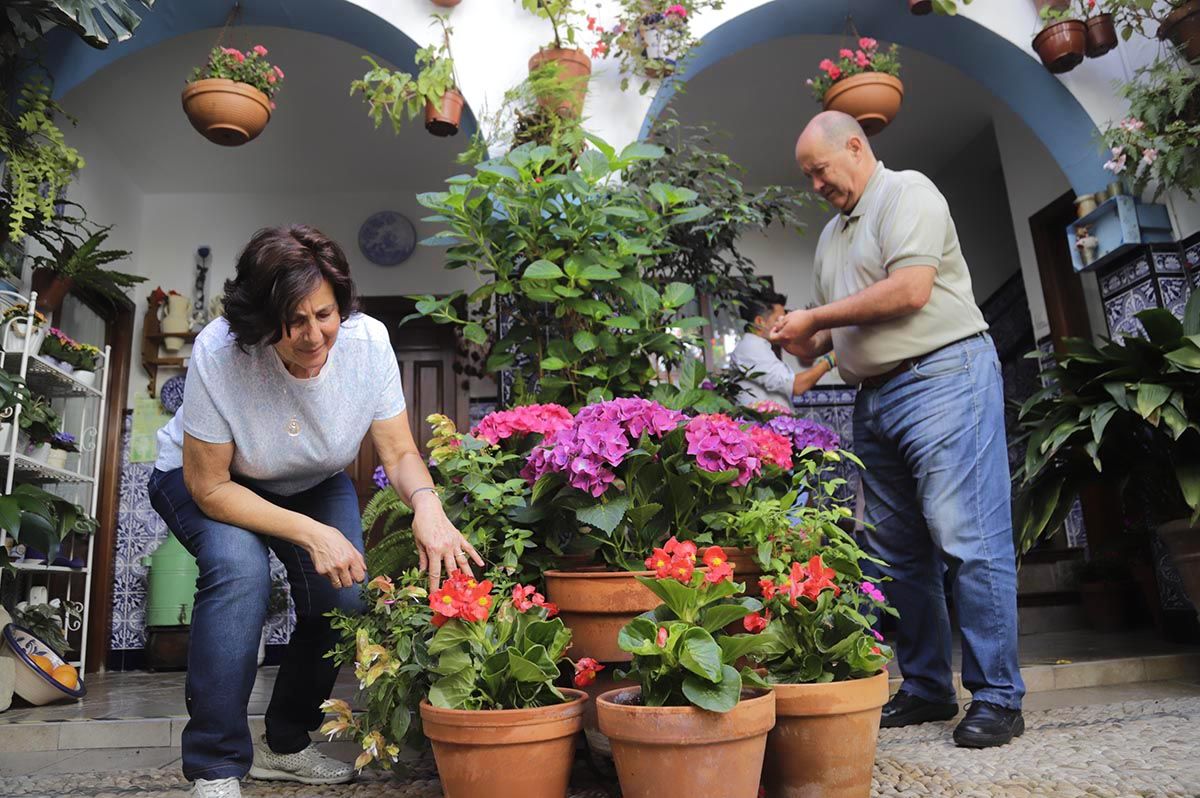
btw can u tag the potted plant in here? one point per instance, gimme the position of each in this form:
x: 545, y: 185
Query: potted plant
x: 13, y: 392
x: 946, y: 7
x: 61, y: 444
x: 87, y: 358
x: 23, y: 328
x: 433, y: 91
x: 39, y: 519
x: 59, y: 349
x: 39, y: 424
x: 1177, y: 20
x: 1062, y: 39
x: 46, y: 621
x: 228, y: 100
x: 1158, y: 144
x: 1127, y: 411
x: 693, y: 714
x: 74, y: 258
x: 571, y: 64
x: 1101, y: 34
x: 649, y: 37
x: 497, y: 722
x: 864, y: 83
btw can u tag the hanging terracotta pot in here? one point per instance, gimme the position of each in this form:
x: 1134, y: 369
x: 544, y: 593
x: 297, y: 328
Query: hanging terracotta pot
x: 1061, y: 46
x: 574, y: 68
x: 872, y: 98
x: 444, y: 121
x: 52, y: 288
x: 595, y: 604
x: 824, y: 738
x: 920, y: 7
x: 226, y: 112
x: 446, y: 3
x: 505, y: 753
x: 1059, y: 4
x: 670, y: 751
x: 1182, y: 26
x: 1101, y: 35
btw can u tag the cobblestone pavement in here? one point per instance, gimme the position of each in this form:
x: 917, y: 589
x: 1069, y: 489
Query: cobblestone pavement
x: 1137, y: 748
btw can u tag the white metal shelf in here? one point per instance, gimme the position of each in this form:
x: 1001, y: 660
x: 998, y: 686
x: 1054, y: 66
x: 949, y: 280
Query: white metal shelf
x: 50, y: 381
x: 54, y: 569
x: 33, y: 471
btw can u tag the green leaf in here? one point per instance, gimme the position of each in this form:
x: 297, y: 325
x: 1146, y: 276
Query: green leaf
x: 475, y: 333
x: 623, y: 323
x: 700, y: 654
x: 453, y: 691
x: 522, y: 670
x: 500, y: 170
x: 542, y: 270
x: 585, y: 341
x: 1150, y: 397
x: 449, y: 636
x: 552, y: 364
x: 1161, y: 326
x: 638, y: 637
x: 718, y: 616
x: 606, y: 515
x: 677, y: 295
x: 720, y: 697
x: 679, y: 598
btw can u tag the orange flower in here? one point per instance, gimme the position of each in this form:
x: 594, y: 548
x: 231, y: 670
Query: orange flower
x: 719, y: 568
x: 585, y: 671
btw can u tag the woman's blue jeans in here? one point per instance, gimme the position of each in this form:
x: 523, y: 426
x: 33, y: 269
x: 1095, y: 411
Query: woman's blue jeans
x: 228, y: 617
x: 937, y: 491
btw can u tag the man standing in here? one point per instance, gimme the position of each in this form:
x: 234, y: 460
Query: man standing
x: 895, y: 301
x: 769, y: 377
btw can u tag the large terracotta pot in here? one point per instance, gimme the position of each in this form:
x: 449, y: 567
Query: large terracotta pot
x: 745, y: 569
x: 446, y: 3
x: 823, y: 743
x: 226, y: 112
x: 920, y: 7
x: 1101, y: 35
x: 505, y: 753
x: 1183, y: 540
x: 573, y: 66
x: 1061, y: 46
x: 52, y: 288
x: 444, y: 121
x: 872, y: 98
x: 595, y: 605
x: 685, y: 751
x: 1182, y: 26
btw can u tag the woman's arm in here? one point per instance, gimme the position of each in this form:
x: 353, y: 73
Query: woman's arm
x: 439, y: 545
x: 206, y: 475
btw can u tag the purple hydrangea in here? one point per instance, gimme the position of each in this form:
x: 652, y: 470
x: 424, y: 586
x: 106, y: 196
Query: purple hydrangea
x: 380, y: 478
x: 635, y: 416
x: 805, y: 433
x: 719, y: 444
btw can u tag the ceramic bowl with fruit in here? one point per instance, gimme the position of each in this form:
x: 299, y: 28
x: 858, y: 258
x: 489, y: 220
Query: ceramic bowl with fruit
x: 42, y: 675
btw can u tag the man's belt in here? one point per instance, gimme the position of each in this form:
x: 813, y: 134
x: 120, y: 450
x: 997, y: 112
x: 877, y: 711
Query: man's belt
x: 879, y: 380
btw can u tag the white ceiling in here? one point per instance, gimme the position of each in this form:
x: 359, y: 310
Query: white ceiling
x: 759, y: 96
x: 319, y: 138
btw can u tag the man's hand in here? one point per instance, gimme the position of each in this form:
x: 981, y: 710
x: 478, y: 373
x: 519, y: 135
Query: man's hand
x: 798, y: 334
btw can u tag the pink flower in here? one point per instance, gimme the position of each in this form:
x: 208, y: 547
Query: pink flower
x: 878, y: 636
x: 1149, y: 156
x: 872, y: 592
x: 772, y: 447
x: 826, y: 66
x: 586, y: 670
x: 1116, y: 164
x: 1131, y: 124
x: 862, y: 59
x: 591, y: 23
x: 600, y: 49
x: 867, y: 43
x: 844, y: 53
x: 258, y: 48
x: 271, y: 77
x: 278, y: 72
x: 755, y: 622
x: 272, y: 105
x: 677, y: 10
x: 661, y: 638
x: 835, y: 73
x: 538, y: 419
x: 719, y: 444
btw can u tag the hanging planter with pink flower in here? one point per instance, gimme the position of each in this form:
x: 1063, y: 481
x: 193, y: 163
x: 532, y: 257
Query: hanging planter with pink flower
x: 864, y: 83
x: 649, y: 37
x: 228, y: 100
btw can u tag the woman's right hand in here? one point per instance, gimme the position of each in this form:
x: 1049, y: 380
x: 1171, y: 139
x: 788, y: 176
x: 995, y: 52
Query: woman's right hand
x: 334, y: 557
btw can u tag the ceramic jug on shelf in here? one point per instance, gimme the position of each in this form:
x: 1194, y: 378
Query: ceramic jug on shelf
x: 176, y: 320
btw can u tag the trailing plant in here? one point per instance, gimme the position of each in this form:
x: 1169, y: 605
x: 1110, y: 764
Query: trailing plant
x: 1158, y: 143
x: 1115, y: 411
x: 250, y: 67
x: 397, y: 95
x: 649, y: 37
x: 1132, y: 16
x: 561, y: 255
x: 561, y: 14
x: 867, y: 58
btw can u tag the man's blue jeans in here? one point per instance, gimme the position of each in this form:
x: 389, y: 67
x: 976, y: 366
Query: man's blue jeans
x: 938, y: 497
x: 227, y: 620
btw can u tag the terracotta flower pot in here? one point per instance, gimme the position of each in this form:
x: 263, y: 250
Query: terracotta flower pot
x: 1182, y: 26
x: 1183, y: 540
x: 1101, y: 35
x: 505, y: 753
x: 52, y: 288
x: 1060, y: 4
x: 226, y: 112
x: 444, y: 121
x: 595, y: 605
x: 920, y: 7
x: 446, y: 3
x: 745, y: 569
x: 1061, y: 46
x: 573, y: 67
x: 670, y: 751
x: 872, y: 98
x: 824, y: 738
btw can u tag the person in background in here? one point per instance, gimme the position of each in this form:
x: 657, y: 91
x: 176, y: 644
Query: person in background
x: 768, y: 377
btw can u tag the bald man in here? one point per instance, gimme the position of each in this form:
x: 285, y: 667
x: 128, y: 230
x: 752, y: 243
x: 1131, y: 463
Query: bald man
x: 896, y: 303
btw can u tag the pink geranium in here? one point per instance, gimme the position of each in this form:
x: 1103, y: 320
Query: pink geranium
x: 259, y: 49
x: 719, y: 444
x: 677, y: 10
x: 773, y: 448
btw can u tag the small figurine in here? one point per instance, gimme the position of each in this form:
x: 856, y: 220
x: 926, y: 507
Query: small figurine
x: 1086, y: 243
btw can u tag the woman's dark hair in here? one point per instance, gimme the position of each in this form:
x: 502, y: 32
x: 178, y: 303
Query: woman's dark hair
x: 275, y: 272
x: 760, y: 304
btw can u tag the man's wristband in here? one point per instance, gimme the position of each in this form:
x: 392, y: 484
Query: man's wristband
x: 828, y: 359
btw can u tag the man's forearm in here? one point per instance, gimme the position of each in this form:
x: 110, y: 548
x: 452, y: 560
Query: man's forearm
x: 901, y: 294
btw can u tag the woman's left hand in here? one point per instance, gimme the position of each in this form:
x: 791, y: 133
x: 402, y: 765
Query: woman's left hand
x: 440, y: 547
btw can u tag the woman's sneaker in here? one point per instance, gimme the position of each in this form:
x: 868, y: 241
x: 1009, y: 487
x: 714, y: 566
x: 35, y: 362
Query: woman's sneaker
x: 216, y: 788
x: 308, y: 766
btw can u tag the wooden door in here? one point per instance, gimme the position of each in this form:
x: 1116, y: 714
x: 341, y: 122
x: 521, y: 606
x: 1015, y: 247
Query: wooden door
x: 425, y: 352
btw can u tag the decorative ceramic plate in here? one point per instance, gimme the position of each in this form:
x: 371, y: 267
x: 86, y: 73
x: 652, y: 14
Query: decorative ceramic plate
x: 387, y: 238
x: 171, y: 393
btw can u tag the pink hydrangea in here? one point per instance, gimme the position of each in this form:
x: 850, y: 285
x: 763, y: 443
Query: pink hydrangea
x: 541, y: 419
x: 719, y: 444
x: 635, y: 416
x: 766, y: 406
x: 773, y: 448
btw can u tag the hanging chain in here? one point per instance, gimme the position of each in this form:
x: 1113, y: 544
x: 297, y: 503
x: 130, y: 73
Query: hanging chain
x: 231, y: 18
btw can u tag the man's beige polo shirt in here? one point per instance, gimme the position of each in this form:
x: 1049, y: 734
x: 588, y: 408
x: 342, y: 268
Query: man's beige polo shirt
x: 900, y: 220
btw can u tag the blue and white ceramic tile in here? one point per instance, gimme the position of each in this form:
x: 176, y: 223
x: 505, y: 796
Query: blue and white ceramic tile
x: 1121, y: 310
x: 1123, y: 276
x: 1175, y: 291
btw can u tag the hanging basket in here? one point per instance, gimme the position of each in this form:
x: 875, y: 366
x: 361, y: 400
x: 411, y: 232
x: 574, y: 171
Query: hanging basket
x: 657, y: 64
x: 1101, y: 35
x: 446, y: 3
x: 872, y: 98
x: 444, y: 120
x: 573, y: 67
x: 52, y: 288
x: 226, y: 112
x: 1061, y: 46
x: 1182, y: 26
x: 920, y: 7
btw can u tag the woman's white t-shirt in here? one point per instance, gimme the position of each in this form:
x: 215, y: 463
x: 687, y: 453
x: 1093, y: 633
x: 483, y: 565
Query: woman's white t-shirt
x: 251, y: 399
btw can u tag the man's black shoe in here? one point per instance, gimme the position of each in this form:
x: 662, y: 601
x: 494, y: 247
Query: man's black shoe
x: 987, y: 725
x: 905, y: 709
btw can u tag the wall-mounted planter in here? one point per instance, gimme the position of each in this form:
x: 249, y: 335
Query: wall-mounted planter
x: 1062, y: 46
x: 1119, y: 224
x: 1182, y: 26
x: 1101, y: 35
